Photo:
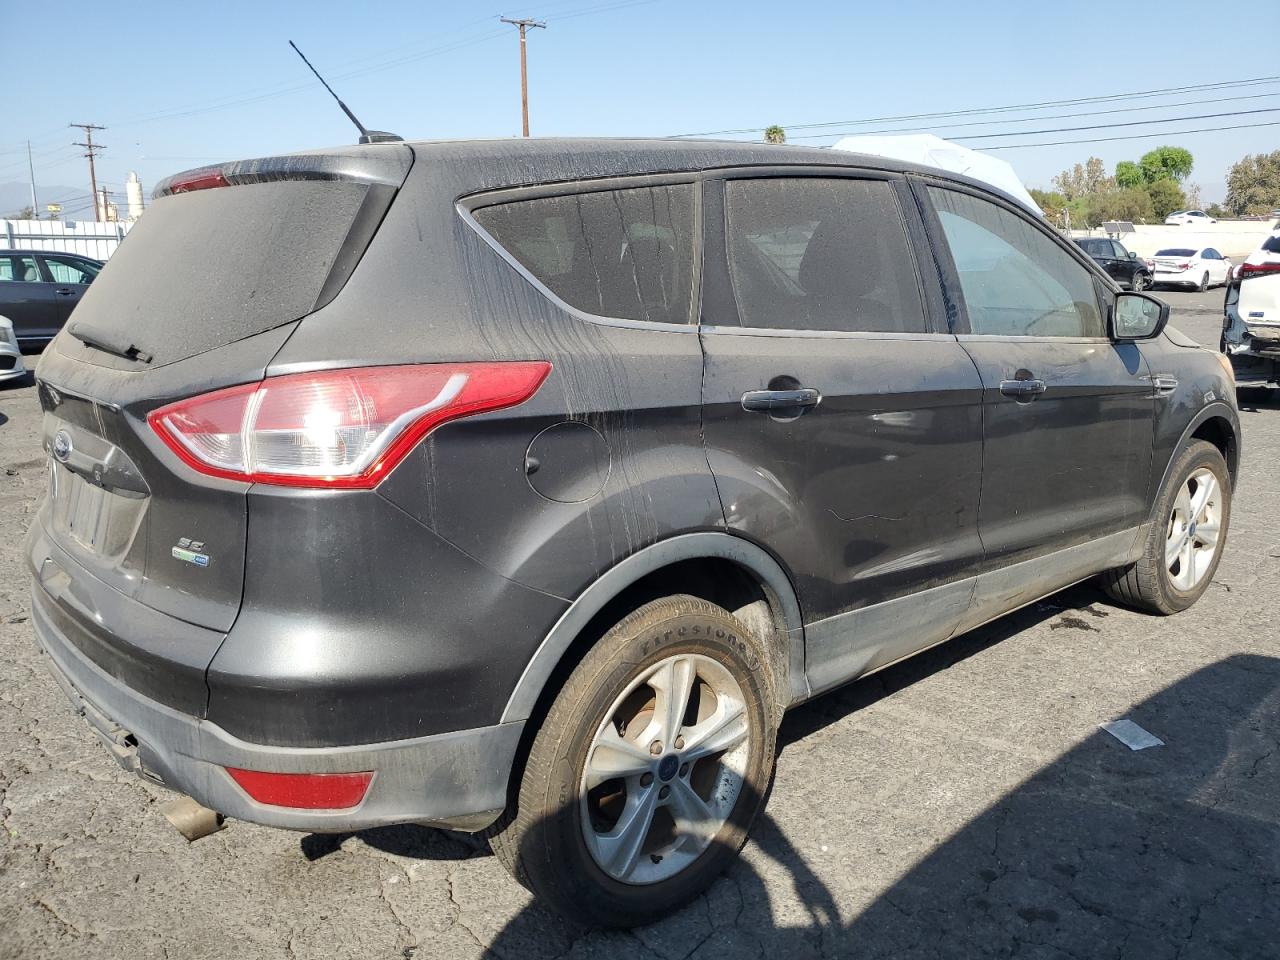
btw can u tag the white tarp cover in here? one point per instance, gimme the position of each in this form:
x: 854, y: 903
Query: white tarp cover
x: 932, y: 151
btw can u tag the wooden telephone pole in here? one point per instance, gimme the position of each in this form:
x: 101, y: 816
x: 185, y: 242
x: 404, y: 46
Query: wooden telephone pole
x: 524, y: 25
x: 91, y: 151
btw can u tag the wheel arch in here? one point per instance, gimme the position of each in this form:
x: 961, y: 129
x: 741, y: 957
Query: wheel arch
x: 719, y: 567
x: 1216, y: 423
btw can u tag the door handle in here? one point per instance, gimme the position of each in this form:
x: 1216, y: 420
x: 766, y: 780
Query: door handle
x: 766, y: 401
x: 64, y: 292
x: 1022, y: 389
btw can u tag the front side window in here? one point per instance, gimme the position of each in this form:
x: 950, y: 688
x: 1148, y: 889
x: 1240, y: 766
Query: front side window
x: 69, y: 271
x: 20, y: 268
x: 811, y: 253
x: 613, y: 253
x: 1016, y: 281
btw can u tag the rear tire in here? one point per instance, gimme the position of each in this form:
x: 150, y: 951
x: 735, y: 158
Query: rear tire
x: 619, y: 818
x: 1178, y: 562
x: 1204, y: 282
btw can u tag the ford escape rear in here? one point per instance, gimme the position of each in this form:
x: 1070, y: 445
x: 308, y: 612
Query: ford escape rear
x: 522, y: 486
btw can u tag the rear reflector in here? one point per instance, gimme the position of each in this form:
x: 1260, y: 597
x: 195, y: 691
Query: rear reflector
x: 304, y: 791
x: 335, y: 428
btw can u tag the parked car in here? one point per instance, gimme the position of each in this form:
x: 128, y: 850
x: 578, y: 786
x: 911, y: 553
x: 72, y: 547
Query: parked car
x: 1251, y: 322
x: 1122, y: 265
x: 39, y: 289
x: 11, y: 365
x: 1198, y: 267
x: 1189, y: 218
x: 640, y: 444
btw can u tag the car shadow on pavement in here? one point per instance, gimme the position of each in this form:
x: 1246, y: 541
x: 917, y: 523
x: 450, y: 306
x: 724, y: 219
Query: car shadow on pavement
x: 1257, y: 399
x: 1172, y: 851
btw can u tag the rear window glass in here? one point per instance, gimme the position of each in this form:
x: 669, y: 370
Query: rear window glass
x: 1179, y: 252
x: 613, y: 253
x: 207, y: 268
x: 813, y: 253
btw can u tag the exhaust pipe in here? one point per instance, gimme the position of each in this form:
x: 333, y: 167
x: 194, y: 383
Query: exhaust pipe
x: 191, y: 819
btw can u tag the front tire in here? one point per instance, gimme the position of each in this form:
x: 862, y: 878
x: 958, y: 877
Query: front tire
x: 1185, y: 540
x: 1138, y: 284
x: 652, y: 763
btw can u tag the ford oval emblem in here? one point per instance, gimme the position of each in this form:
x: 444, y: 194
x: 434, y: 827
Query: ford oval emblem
x: 62, y: 446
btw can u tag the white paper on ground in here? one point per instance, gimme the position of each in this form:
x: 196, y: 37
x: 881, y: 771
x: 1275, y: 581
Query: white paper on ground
x: 1131, y: 735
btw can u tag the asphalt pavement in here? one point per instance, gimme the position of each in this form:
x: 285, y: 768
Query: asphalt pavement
x: 963, y: 804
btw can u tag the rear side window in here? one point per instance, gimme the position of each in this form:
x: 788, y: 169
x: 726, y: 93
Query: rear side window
x: 810, y: 253
x: 1271, y: 245
x: 1016, y: 281
x: 613, y: 253
x: 20, y: 269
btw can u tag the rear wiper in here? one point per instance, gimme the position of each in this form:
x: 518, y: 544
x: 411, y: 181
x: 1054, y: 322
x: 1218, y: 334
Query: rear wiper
x: 92, y: 337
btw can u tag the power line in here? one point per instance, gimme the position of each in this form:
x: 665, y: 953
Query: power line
x: 1051, y: 116
x: 1008, y: 108
x: 1135, y: 136
x: 1129, y: 123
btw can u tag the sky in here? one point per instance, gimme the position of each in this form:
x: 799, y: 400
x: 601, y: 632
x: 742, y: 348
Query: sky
x: 179, y: 86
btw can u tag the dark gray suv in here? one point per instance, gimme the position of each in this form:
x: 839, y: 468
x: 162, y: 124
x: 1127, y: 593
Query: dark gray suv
x: 521, y: 486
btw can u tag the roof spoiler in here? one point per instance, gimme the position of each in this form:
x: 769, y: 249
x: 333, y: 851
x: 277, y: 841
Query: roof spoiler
x: 387, y: 165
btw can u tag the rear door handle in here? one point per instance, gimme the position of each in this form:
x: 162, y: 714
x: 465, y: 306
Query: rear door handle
x: 766, y: 401
x: 65, y: 292
x: 1022, y: 389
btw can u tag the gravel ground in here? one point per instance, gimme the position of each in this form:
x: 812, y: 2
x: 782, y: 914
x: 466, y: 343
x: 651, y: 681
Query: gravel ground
x: 962, y: 804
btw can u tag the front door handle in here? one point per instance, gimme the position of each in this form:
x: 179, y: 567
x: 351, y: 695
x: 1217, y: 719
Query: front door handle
x: 768, y: 401
x: 65, y: 292
x: 1022, y: 389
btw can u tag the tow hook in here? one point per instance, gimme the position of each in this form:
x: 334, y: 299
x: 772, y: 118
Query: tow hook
x: 191, y: 819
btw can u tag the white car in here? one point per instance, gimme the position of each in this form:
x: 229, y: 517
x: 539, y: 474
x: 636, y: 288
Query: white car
x: 1251, y: 336
x: 1190, y: 267
x: 11, y: 366
x: 1188, y: 218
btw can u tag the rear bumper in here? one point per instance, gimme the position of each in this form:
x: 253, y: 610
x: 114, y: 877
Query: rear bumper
x: 11, y: 364
x: 456, y: 780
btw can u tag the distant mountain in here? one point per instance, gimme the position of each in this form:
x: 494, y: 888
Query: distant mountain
x: 16, y: 196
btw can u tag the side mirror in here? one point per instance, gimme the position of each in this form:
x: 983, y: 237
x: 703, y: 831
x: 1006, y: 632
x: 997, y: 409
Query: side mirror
x: 1137, y: 316
x: 1132, y: 255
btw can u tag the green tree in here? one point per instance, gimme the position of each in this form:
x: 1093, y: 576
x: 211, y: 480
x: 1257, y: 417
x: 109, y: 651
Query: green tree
x: 1166, y: 197
x: 1084, y: 180
x: 1253, y: 184
x: 1166, y: 163
x: 1216, y: 211
x: 1132, y: 204
x: 1051, y: 204
x: 26, y: 213
x: 1129, y: 174
x: 775, y: 134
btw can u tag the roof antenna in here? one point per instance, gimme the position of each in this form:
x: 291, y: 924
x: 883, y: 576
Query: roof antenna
x: 366, y: 136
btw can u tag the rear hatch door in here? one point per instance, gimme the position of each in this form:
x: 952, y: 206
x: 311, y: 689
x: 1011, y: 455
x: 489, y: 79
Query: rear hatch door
x: 202, y: 294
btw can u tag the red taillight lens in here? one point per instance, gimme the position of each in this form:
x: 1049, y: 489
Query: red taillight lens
x: 1247, y: 270
x: 1184, y: 266
x: 304, y: 791
x: 335, y: 428
x: 204, y: 179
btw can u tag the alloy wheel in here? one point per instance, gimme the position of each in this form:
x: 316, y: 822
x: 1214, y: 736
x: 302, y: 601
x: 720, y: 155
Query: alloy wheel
x: 665, y: 769
x: 1194, y: 526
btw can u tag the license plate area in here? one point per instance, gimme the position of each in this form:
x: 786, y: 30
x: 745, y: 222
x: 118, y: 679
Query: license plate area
x: 99, y: 522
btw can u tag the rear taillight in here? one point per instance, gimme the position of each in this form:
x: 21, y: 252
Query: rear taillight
x: 335, y: 428
x: 1184, y: 266
x: 304, y: 791
x: 1247, y: 270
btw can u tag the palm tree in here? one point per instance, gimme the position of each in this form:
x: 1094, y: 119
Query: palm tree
x: 775, y: 134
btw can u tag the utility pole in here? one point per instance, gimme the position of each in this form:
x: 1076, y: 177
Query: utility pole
x: 524, y: 24
x: 91, y: 150
x: 35, y: 207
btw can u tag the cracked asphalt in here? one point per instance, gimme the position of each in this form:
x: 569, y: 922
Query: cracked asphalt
x: 963, y: 804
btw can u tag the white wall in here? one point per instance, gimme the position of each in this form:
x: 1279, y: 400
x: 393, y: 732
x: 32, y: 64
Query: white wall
x: 86, y: 237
